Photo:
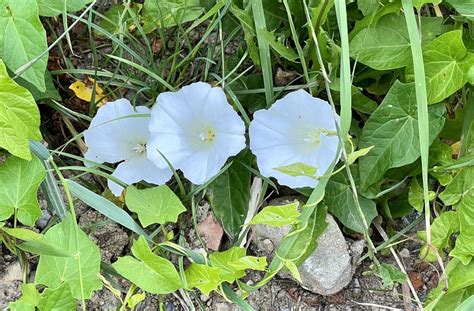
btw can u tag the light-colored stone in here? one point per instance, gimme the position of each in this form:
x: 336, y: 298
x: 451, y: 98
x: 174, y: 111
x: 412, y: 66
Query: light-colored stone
x: 12, y: 273
x: 405, y: 253
x: 329, y: 268
x: 356, y: 248
x: 264, y: 234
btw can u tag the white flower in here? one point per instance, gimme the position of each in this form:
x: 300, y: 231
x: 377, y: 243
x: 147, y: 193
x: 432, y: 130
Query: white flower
x: 115, y: 135
x: 298, y: 128
x: 196, y: 130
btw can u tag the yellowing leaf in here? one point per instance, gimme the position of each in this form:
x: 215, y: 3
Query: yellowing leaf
x: 84, y: 90
x: 278, y: 215
x: 249, y: 262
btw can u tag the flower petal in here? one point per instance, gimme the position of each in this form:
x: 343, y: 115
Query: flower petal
x: 180, y: 123
x: 179, y: 108
x: 112, y: 135
x: 136, y: 169
x: 306, y: 109
x: 269, y: 159
x: 294, y: 130
x: 171, y: 145
x: 325, y: 158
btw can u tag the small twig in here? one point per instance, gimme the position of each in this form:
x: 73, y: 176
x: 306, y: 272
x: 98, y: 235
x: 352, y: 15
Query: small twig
x: 82, y: 146
x: 406, y: 297
x: 437, y: 11
x: 181, y: 301
x: 376, y: 305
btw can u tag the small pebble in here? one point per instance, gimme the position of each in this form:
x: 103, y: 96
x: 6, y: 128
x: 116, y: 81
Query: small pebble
x: 356, y: 289
x: 405, y: 253
x: 43, y: 220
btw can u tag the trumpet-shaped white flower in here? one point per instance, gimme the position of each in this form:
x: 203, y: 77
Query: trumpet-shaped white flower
x: 196, y: 130
x: 298, y: 128
x: 117, y: 134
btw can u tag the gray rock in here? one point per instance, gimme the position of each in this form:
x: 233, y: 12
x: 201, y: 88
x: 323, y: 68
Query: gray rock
x: 263, y: 234
x: 12, y: 273
x: 329, y: 269
x: 10, y: 281
x: 42, y: 222
x: 356, y: 248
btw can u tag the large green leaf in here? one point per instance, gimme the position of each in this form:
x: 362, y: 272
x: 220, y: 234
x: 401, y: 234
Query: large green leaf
x: 249, y: 262
x: 460, y: 284
x: 168, y: 13
x: 229, y: 196
x: 460, y: 192
x: 340, y: 202
x: 20, y: 180
x: 56, y: 7
x: 387, y: 44
x: 19, y: 116
x: 442, y: 228
x: 28, y: 300
x: 446, y: 65
x: 415, y: 195
x: 451, y: 300
x: 22, y: 39
x: 57, y: 299
x: 148, y: 271
x: 79, y: 272
x: 157, y: 205
x: 368, y: 6
x: 464, y: 7
x: 393, y: 131
x: 203, y: 277
x: 467, y: 304
x: 50, y: 299
x: 222, y: 259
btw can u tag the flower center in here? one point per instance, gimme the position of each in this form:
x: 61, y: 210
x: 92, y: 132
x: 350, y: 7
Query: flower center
x: 207, y: 135
x: 139, y: 148
x: 313, y: 138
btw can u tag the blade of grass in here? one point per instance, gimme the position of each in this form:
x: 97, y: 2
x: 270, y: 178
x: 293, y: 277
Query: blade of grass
x: 112, y: 38
x: 423, y: 118
x: 467, y: 129
x: 264, y: 50
x: 49, y: 186
x: 422, y: 105
x: 144, y: 70
x: 294, y: 34
x: 345, y: 71
x: 105, y: 207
